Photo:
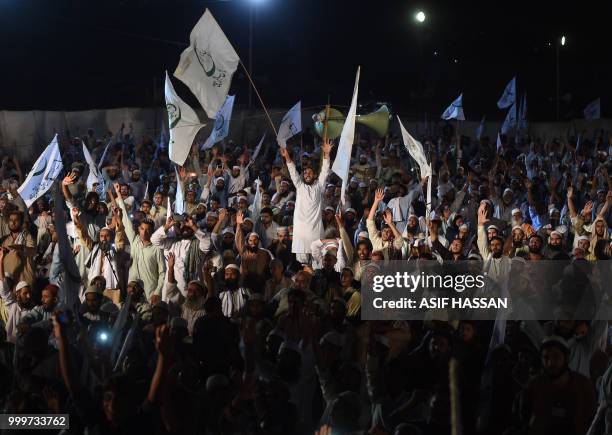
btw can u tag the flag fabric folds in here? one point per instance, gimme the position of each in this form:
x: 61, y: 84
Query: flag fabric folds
x: 416, y: 151
x: 44, y: 172
x: 508, y: 98
x: 455, y: 110
x: 342, y: 162
x: 290, y: 125
x: 222, y: 121
x: 480, y: 129
x: 94, y: 174
x: 184, y: 125
x: 522, y: 115
x: 593, y: 110
x: 207, y: 65
x: 179, y: 201
x: 499, y: 145
x: 510, y: 121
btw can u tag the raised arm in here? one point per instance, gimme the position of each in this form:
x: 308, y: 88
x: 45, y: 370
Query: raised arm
x: 295, y: 177
x: 397, y: 236
x: 125, y: 217
x: 239, y: 236
x: 604, y: 210
x: 326, y: 148
x: 483, y: 245
x: 81, y: 234
x: 346, y: 241
x: 570, y: 202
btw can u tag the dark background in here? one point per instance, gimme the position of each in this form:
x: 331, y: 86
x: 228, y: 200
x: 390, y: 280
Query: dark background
x: 72, y: 54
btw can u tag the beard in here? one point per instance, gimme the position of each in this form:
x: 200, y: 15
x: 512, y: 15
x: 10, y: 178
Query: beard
x: 252, y: 249
x: 105, y: 246
x: 25, y: 305
x: 194, y: 303
x: 535, y: 249
x: 497, y: 254
x: 555, y: 248
x: 517, y: 222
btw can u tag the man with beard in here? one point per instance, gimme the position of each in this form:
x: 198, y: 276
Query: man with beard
x: 358, y: 257
x: 580, y: 222
x: 148, y: 262
x: 254, y: 261
x: 535, y: 248
x: 504, y: 208
x: 283, y: 194
x: 363, y: 170
x: 558, y: 401
x: 18, y: 302
x: 193, y: 304
x: 215, y: 187
x: 267, y: 228
x: 518, y: 221
x: 281, y: 248
x: 307, y: 216
x: 389, y: 241
x: 554, y: 248
x: 91, y: 306
x: 136, y: 185
x: 553, y: 225
x: 237, y: 178
x: 103, y: 254
x: 188, y: 244
x: 496, y: 264
x: 158, y: 212
x: 40, y: 315
x: 91, y: 219
x: 277, y: 281
x: 233, y: 296
x: 19, y: 249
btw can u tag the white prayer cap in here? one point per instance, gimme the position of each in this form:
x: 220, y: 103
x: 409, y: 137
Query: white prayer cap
x: 331, y: 252
x: 492, y: 227
x: 334, y: 338
x: 227, y: 230
x: 328, y: 208
x: 232, y: 266
x: 330, y: 185
x: 556, y: 232
x: 412, y: 215
x: 284, y: 182
x: 350, y: 210
x: 253, y: 233
x: 363, y: 234
x: 362, y: 185
x: 516, y: 210
x: 553, y: 210
x: 330, y: 245
x: 463, y: 227
x: 517, y: 227
x: 242, y: 197
x: 213, y: 214
x: 583, y: 238
x: 282, y: 230
x: 20, y: 285
x: 508, y: 190
x: 216, y: 180
x: 363, y: 155
x: 236, y: 167
x: 354, y: 179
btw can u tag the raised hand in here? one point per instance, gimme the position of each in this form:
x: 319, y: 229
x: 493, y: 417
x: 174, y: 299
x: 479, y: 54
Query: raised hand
x: 482, y: 214
x: 171, y: 260
x: 327, y: 146
x: 284, y: 153
x: 222, y: 214
x: 379, y: 195
x: 239, y: 218
x: 69, y: 179
x: 339, y: 220
x: 388, y: 217
x: 570, y: 192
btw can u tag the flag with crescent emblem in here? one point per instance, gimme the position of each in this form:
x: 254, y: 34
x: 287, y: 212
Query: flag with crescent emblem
x: 207, y: 65
x: 184, y: 125
x: 455, y: 110
x: 290, y: 125
x: 222, y: 120
x: 43, y: 174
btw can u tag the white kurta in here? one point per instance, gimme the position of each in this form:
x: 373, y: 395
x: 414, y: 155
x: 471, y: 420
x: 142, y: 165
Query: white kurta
x: 307, y: 223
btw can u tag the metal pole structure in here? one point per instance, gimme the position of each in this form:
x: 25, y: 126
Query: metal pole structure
x: 250, y: 51
x: 557, y: 43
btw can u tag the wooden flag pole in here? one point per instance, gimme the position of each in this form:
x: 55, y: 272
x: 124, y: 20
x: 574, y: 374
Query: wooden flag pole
x: 259, y: 97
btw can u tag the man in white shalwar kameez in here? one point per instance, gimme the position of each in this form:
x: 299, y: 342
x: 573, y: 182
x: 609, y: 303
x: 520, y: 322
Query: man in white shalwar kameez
x: 307, y: 222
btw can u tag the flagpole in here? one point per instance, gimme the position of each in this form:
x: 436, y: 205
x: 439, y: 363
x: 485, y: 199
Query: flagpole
x: 259, y: 97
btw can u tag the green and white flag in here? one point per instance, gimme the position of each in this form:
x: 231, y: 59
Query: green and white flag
x: 207, y: 65
x: 416, y: 151
x: 184, y: 125
x: 222, y: 120
x: 455, y: 110
x: 43, y: 174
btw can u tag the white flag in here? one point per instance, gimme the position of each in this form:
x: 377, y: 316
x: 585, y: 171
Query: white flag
x: 146, y: 194
x: 290, y: 125
x: 256, y: 152
x: 179, y: 200
x: 207, y: 65
x: 184, y: 125
x: 510, y: 121
x: 416, y: 151
x: 101, y: 162
x: 508, y: 98
x: 94, y: 174
x: 43, y: 174
x: 169, y: 210
x: 222, y: 120
x: 345, y: 147
x: 522, y: 115
x: 500, y: 147
x: 593, y: 110
x: 480, y: 129
x: 455, y: 110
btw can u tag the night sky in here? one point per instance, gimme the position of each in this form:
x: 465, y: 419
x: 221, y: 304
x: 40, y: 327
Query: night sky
x: 72, y: 55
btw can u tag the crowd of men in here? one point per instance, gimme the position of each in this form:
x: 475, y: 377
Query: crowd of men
x: 242, y: 315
